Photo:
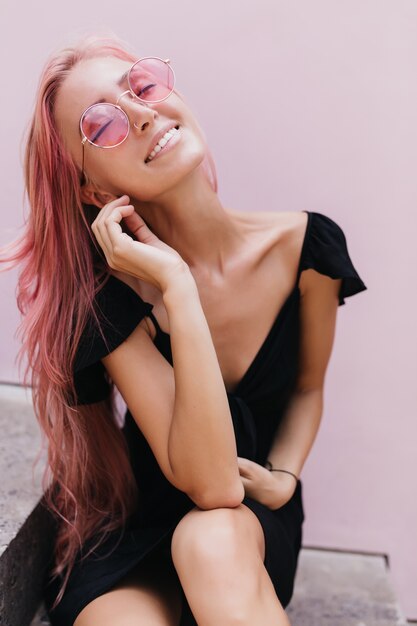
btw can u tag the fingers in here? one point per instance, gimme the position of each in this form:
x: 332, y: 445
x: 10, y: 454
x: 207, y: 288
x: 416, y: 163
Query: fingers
x: 148, y: 257
x: 245, y: 467
x: 139, y: 229
x: 135, y: 223
x: 106, y: 222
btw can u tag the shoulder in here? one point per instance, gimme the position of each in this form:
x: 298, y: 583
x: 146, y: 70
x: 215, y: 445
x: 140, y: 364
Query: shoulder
x: 283, y: 222
x: 120, y: 301
x: 119, y: 309
x: 316, y: 240
x: 326, y: 252
x: 276, y: 229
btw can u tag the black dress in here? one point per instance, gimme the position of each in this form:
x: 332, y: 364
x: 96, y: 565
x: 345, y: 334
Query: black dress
x: 256, y: 405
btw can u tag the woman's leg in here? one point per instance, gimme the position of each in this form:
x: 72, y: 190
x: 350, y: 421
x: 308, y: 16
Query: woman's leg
x: 218, y: 555
x: 149, y: 595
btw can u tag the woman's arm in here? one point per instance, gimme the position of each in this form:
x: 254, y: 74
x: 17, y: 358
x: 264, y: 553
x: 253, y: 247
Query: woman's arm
x: 201, y: 444
x: 182, y: 411
x: 298, y: 428
x: 294, y: 438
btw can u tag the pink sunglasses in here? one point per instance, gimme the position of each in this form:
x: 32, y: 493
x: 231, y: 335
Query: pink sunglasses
x: 106, y: 125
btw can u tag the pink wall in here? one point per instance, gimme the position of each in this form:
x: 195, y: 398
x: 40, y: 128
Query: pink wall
x: 307, y: 105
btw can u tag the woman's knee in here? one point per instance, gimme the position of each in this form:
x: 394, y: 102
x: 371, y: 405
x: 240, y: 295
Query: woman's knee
x: 218, y: 536
x: 218, y: 558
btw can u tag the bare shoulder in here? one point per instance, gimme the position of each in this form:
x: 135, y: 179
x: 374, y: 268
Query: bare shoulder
x: 282, y: 234
x: 285, y: 222
x: 285, y: 229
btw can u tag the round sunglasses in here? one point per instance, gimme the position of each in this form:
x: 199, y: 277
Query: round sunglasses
x: 106, y: 125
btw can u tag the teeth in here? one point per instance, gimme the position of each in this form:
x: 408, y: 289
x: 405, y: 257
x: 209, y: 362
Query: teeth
x: 162, y: 143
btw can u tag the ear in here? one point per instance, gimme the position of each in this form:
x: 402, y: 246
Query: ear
x: 95, y: 196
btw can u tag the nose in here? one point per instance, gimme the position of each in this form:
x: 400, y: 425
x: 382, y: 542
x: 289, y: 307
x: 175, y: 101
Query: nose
x: 143, y: 116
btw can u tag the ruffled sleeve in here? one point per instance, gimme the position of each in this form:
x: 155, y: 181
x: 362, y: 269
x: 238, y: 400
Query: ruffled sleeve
x: 326, y: 252
x: 120, y: 309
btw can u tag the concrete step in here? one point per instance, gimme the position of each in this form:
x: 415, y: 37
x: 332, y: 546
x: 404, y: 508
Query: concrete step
x: 332, y: 588
x: 335, y: 588
x: 24, y: 523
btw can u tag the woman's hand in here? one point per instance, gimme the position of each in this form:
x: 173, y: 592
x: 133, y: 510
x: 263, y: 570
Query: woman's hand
x: 273, y: 489
x: 148, y: 258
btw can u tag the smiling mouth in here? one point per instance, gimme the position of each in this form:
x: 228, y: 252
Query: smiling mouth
x: 162, y: 142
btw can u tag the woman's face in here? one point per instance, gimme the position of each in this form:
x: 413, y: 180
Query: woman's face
x: 122, y: 169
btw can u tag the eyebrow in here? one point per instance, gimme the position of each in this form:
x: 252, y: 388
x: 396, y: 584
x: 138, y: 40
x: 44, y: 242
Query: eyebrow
x: 119, y: 82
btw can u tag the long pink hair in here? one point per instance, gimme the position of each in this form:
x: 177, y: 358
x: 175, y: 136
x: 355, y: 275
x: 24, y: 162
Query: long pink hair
x: 88, y: 483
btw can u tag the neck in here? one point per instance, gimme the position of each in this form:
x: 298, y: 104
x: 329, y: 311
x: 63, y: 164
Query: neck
x: 191, y: 219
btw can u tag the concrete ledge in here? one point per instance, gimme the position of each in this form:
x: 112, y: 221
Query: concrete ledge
x: 25, y: 524
x: 335, y: 588
x: 20, y: 489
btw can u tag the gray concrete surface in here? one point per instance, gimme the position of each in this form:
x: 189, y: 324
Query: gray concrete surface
x: 19, y: 443
x: 25, y: 525
x: 343, y: 589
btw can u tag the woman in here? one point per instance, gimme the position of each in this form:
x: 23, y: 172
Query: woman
x: 216, y: 326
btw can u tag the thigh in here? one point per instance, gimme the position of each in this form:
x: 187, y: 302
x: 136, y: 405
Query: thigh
x: 150, y: 594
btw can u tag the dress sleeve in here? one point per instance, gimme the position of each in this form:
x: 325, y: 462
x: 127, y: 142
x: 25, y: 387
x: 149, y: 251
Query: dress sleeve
x: 119, y: 309
x: 326, y: 252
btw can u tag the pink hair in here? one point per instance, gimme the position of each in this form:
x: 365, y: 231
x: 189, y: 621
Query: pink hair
x: 88, y: 482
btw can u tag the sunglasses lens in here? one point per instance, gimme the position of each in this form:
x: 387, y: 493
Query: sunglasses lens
x: 105, y: 125
x: 151, y: 79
